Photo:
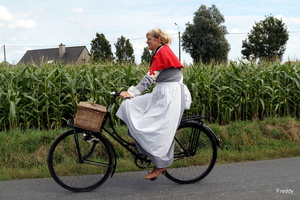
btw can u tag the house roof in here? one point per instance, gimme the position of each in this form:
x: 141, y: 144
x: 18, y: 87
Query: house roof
x: 48, y: 55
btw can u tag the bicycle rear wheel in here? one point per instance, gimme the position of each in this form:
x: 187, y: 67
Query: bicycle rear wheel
x: 195, y: 153
x: 80, y: 162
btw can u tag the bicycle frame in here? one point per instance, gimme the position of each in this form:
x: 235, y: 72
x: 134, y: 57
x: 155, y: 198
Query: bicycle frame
x: 106, y: 126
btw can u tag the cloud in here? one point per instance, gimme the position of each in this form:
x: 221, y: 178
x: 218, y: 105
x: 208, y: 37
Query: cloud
x: 289, y: 20
x: 78, y: 10
x: 293, y: 42
x: 71, y: 19
x: 23, y: 24
x: 138, y: 47
x: 24, y: 38
x: 9, y: 20
x: 5, y: 15
x: 235, y: 30
x: 12, y: 39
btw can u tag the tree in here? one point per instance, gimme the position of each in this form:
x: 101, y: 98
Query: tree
x: 266, y: 40
x: 101, y: 49
x: 146, y: 56
x: 205, y: 39
x: 4, y: 63
x: 124, y: 50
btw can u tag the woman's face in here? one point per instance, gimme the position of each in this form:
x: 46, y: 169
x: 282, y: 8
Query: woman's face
x: 153, y: 43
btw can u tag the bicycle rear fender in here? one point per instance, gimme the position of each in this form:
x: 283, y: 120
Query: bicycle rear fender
x: 215, y: 136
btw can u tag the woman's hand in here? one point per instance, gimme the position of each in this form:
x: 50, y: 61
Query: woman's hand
x: 125, y: 95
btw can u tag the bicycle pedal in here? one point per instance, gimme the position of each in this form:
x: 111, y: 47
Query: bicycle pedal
x: 153, y: 179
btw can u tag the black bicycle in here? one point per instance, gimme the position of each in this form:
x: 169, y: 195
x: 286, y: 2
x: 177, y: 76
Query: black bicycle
x: 82, y: 160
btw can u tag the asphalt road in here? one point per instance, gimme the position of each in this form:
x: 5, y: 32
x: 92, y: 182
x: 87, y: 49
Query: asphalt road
x: 270, y: 179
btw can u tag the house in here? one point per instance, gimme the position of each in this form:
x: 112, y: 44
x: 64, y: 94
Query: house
x: 62, y: 54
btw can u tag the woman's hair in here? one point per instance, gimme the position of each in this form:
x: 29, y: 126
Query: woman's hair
x: 158, y: 33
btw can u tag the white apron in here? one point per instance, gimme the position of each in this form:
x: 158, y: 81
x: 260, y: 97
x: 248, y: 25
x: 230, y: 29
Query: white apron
x: 153, y: 118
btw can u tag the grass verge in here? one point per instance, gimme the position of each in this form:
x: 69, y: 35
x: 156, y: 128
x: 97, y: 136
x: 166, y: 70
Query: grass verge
x: 23, y: 154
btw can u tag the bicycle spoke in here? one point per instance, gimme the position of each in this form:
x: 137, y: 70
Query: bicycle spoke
x: 80, y: 165
x: 91, y: 162
x: 195, y: 153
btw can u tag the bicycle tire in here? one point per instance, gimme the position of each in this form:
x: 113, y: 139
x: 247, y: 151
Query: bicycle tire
x: 79, y: 175
x: 195, y: 153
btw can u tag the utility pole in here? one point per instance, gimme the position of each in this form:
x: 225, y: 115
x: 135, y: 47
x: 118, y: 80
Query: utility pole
x: 4, y: 53
x: 179, y: 42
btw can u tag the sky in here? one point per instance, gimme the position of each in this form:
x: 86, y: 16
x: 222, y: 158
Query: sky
x: 35, y: 24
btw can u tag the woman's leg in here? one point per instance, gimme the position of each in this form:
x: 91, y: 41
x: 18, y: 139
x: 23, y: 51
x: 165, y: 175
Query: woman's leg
x: 160, y: 163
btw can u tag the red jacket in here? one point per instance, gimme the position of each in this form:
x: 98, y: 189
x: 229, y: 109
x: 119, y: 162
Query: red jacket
x: 163, y: 59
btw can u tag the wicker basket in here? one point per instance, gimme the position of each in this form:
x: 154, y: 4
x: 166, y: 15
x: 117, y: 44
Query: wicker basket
x: 90, y: 116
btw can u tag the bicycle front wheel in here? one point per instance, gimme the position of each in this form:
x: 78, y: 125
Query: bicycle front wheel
x: 80, y: 162
x: 195, y: 153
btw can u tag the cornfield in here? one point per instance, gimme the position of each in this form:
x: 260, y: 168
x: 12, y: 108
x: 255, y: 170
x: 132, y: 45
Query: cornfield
x: 46, y: 96
x: 244, y: 91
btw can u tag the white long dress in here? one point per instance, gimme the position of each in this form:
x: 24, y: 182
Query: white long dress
x: 153, y: 118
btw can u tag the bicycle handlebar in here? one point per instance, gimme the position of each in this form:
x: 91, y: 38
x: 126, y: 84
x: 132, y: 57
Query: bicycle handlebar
x: 115, y: 94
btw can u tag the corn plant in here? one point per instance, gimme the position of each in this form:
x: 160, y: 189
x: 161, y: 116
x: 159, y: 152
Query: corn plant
x: 46, y: 96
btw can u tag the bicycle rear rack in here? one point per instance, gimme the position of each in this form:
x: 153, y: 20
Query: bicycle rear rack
x: 198, y: 119
x: 70, y: 123
x: 195, y: 118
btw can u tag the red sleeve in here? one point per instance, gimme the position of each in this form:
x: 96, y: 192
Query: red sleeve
x: 165, y: 58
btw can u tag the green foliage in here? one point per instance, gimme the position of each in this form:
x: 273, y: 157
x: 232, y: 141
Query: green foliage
x: 124, y: 51
x: 204, y: 39
x: 101, y: 49
x: 243, y: 136
x: 45, y: 97
x: 244, y: 91
x: 266, y: 40
x: 24, y: 153
x: 146, y: 56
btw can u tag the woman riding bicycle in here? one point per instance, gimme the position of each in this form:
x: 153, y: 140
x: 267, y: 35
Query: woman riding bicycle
x: 153, y: 118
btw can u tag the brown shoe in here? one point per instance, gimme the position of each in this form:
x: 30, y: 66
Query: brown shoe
x: 156, y: 172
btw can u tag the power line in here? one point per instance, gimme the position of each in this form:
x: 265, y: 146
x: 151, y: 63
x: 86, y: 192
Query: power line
x: 248, y: 33
x: 293, y: 32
